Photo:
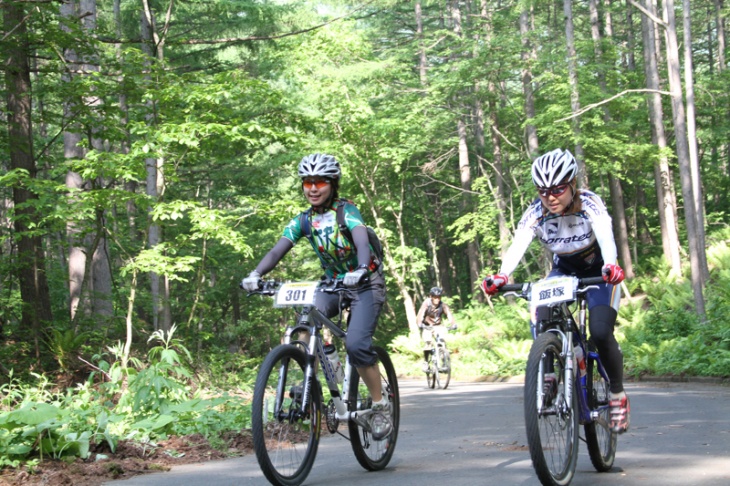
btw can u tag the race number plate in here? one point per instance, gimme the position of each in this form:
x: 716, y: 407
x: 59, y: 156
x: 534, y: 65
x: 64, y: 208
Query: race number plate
x: 553, y: 291
x: 295, y: 294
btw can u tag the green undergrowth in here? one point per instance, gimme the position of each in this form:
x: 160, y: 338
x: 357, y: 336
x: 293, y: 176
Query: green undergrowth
x: 143, y: 401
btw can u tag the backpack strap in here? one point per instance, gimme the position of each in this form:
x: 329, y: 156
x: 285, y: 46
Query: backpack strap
x: 305, y: 223
x: 341, y: 221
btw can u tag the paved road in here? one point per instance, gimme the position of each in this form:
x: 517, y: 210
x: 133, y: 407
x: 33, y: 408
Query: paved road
x: 473, y: 434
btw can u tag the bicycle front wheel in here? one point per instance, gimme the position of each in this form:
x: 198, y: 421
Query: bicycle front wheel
x: 431, y: 372
x: 600, y: 439
x: 373, y: 454
x: 285, y: 435
x: 444, y: 367
x: 551, y: 420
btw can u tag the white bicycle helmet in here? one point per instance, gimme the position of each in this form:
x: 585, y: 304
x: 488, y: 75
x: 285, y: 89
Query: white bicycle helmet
x: 553, y: 168
x: 319, y: 165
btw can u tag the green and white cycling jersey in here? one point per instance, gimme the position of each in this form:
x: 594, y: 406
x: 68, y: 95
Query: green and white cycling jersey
x: 335, y: 252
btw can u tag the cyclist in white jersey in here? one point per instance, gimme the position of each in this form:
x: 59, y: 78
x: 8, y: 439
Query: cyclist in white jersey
x: 575, y: 227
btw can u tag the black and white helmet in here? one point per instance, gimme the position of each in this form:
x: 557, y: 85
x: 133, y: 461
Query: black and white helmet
x: 553, y: 168
x: 436, y: 292
x: 319, y: 165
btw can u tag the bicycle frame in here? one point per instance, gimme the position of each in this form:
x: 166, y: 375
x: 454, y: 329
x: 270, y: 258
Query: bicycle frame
x: 311, y: 320
x: 437, y: 333
x: 562, y: 324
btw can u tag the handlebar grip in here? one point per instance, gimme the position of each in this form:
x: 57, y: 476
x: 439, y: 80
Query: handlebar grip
x: 511, y: 288
x: 591, y: 281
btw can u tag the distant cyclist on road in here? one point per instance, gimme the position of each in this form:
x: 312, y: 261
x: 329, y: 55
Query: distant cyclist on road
x: 429, y: 318
x: 576, y: 227
x: 352, y: 262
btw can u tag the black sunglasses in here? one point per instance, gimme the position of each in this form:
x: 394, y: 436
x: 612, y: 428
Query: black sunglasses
x: 556, y: 191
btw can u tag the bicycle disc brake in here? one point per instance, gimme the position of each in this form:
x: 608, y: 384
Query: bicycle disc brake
x: 331, y: 417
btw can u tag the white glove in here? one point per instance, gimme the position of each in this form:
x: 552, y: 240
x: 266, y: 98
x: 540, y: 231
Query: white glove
x: 352, y: 279
x: 251, y: 282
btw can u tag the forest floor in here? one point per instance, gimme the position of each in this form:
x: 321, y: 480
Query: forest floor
x: 129, y: 459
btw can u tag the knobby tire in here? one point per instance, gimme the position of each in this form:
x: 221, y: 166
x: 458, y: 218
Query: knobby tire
x: 285, y: 437
x: 431, y: 373
x: 600, y: 439
x: 372, y: 454
x: 444, y: 362
x: 552, y: 435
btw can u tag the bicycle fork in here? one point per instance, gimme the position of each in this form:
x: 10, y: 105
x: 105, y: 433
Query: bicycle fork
x: 568, y: 377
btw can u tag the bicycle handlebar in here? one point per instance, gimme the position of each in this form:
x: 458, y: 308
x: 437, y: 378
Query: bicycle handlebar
x: 270, y: 287
x: 522, y: 288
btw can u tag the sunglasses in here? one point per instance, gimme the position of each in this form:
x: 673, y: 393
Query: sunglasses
x: 556, y: 191
x: 318, y: 183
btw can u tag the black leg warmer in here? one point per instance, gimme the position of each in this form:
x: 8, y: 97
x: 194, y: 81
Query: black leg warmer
x: 602, y: 320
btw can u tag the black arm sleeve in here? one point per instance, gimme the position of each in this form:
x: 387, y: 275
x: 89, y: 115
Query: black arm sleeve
x: 362, y: 244
x: 275, y: 255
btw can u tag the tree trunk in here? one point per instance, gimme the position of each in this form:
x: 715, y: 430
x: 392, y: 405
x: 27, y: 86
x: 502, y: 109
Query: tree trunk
x: 617, y: 197
x: 154, y: 166
x: 36, y: 308
x: 421, y: 48
x: 464, y: 165
x: 574, y: 91
x: 696, y: 253
x: 666, y: 199
x: 89, y: 281
x: 720, y: 25
x: 72, y: 150
x: 692, y: 139
x: 528, y: 56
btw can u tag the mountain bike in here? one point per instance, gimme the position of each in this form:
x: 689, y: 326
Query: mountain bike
x: 438, y: 373
x: 287, y: 407
x: 559, y: 395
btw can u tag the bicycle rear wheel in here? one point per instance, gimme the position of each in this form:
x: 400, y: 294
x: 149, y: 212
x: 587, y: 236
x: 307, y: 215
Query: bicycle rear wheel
x: 372, y: 454
x: 285, y: 436
x: 444, y: 367
x: 600, y: 439
x: 551, y: 422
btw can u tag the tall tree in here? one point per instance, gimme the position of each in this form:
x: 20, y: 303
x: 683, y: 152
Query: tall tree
x: 36, y: 309
x: 572, y: 61
x: 697, y: 256
x: 617, y: 197
x: 666, y: 199
x: 694, y: 159
x: 463, y: 154
x: 89, y: 266
x: 528, y: 55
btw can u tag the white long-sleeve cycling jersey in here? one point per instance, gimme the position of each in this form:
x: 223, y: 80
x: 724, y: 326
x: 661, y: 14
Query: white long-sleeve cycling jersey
x: 581, y: 243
